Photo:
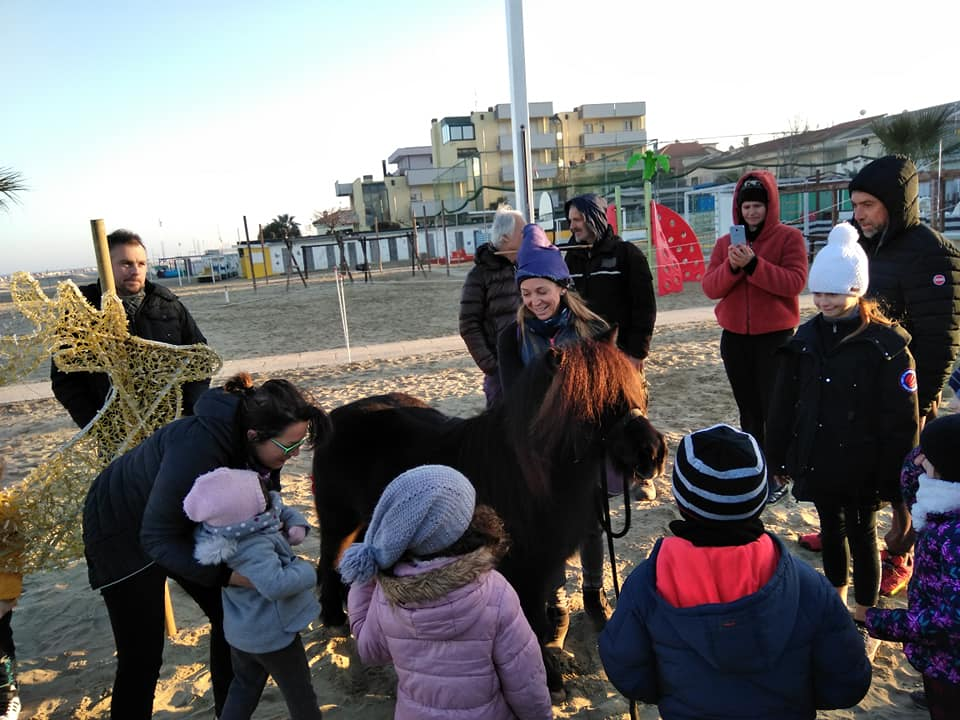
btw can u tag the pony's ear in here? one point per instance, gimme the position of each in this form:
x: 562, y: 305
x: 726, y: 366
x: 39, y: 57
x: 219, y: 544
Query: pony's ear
x: 609, y: 335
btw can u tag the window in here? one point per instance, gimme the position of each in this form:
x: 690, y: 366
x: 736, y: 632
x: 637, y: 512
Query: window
x: 628, y: 124
x: 457, y: 130
x: 588, y: 157
x: 588, y: 127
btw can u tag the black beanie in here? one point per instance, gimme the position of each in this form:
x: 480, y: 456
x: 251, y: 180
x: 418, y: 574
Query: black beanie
x: 719, y: 476
x: 752, y: 190
x: 940, y: 441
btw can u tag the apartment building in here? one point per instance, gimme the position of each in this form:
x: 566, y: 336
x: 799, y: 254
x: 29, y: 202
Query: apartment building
x: 468, y: 166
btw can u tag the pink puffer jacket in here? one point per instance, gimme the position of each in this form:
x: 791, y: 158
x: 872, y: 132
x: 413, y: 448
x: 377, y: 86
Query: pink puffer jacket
x: 454, y: 631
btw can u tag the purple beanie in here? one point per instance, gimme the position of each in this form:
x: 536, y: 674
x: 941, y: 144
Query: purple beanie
x: 540, y: 258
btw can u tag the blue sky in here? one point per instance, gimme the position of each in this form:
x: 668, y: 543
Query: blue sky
x: 198, y: 113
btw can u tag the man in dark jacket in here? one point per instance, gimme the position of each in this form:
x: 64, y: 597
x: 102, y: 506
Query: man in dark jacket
x: 490, y: 299
x: 153, y: 313
x: 614, y: 278
x: 915, y: 277
x: 914, y: 270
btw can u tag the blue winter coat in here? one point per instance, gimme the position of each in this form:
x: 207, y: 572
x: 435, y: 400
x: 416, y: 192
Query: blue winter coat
x: 282, y: 601
x: 780, y: 653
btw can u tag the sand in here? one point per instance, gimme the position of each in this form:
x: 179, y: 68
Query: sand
x: 65, y: 647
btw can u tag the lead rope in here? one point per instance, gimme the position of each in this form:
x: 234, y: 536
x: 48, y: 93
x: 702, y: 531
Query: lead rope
x: 605, y: 524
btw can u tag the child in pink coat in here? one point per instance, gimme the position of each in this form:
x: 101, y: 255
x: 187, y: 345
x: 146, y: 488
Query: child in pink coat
x: 425, y: 596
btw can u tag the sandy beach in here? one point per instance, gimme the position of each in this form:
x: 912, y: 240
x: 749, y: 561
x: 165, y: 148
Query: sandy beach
x: 64, y: 644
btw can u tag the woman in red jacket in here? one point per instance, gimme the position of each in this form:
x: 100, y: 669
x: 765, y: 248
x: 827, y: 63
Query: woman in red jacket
x: 758, y: 283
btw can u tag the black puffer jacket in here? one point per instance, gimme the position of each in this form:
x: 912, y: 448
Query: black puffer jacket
x: 614, y: 278
x: 914, y: 273
x: 487, y: 305
x: 844, y: 414
x: 133, y: 515
x: 162, y: 317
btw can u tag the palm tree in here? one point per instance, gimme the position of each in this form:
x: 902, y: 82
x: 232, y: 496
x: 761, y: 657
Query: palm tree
x: 918, y: 134
x: 282, y: 226
x: 11, y: 182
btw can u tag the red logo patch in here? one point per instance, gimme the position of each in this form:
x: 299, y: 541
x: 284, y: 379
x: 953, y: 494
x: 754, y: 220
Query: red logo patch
x: 939, y: 280
x: 908, y: 381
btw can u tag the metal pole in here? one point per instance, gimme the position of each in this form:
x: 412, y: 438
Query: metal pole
x: 519, y: 110
x: 253, y: 269
x: 446, y: 248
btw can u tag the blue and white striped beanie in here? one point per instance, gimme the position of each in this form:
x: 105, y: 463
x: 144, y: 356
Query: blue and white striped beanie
x: 719, y: 476
x: 423, y: 511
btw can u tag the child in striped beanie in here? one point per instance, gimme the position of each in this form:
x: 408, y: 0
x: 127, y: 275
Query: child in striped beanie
x: 721, y: 620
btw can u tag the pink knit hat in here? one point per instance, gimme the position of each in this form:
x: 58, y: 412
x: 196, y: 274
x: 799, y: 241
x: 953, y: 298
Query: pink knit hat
x: 225, y: 497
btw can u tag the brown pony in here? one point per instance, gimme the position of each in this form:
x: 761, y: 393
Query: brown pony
x: 535, y: 458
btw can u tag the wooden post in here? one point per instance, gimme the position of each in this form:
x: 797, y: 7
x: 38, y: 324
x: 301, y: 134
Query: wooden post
x: 102, y: 251
x: 253, y: 269
x: 169, y: 621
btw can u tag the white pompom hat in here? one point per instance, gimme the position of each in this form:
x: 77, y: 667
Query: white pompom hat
x: 841, y: 266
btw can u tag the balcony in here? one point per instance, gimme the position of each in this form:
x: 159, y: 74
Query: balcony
x: 538, y: 141
x: 344, y: 189
x: 535, y: 110
x: 626, y: 138
x: 429, y: 176
x: 544, y: 171
x: 612, y: 110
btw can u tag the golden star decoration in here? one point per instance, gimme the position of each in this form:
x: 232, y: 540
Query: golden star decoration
x: 42, y: 528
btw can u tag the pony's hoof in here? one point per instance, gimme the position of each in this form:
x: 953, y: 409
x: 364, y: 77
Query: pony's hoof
x: 558, y: 697
x: 333, y: 618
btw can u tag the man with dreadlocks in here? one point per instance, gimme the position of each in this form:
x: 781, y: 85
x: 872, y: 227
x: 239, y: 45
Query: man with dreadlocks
x: 614, y: 278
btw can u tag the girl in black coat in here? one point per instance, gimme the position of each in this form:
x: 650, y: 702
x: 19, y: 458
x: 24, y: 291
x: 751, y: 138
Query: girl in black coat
x: 136, y: 533
x: 844, y: 415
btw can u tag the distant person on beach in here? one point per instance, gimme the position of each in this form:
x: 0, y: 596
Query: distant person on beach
x: 553, y: 314
x: 249, y: 529
x: 722, y: 621
x: 153, y: 313
x: 136, y: 533
x: 489, y: 300
x: 757, y: 280
x: 425, y: 596
x: 614, y: 278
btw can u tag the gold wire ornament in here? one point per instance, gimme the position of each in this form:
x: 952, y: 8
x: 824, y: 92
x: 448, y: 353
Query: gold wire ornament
x: 45, y: 506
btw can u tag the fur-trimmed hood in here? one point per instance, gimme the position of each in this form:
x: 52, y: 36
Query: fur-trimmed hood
x: 428, y: 580
x: 215, y: 545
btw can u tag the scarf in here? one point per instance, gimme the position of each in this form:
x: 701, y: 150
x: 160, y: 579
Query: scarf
x: 540, y: 335
x: 934, y: 497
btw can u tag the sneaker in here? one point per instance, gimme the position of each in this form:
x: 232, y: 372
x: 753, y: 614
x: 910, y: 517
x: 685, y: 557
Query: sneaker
x: 644, y: 491
x: 597, y: 607
x: 778, y: 494
x: 10, y: 708
x: 870, y: 644
x: 811, y: 541
x: 895, y: 573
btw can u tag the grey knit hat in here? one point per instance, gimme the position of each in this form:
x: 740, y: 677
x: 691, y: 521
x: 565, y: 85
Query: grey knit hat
x: 423, y: 511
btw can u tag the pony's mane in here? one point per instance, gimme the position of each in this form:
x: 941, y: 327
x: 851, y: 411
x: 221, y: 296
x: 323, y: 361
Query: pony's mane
x: 590, y: 379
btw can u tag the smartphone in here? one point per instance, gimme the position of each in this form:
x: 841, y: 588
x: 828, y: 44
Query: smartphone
x: 738, y: 235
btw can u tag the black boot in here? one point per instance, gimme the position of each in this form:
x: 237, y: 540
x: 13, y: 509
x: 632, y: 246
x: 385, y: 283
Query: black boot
x: 596, y: 606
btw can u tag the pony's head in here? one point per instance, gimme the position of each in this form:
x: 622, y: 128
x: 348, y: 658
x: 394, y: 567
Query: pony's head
x: 573, y: 398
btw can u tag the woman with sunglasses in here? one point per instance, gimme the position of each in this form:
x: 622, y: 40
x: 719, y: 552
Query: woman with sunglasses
x: 757, y: 272
x: 136, y: 533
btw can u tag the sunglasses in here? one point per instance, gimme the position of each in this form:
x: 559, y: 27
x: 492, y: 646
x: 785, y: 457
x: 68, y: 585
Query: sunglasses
x: 287, y: 449
x: 752, y: 184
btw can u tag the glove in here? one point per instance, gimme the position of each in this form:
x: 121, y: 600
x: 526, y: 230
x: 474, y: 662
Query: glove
x: 296, y: 534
